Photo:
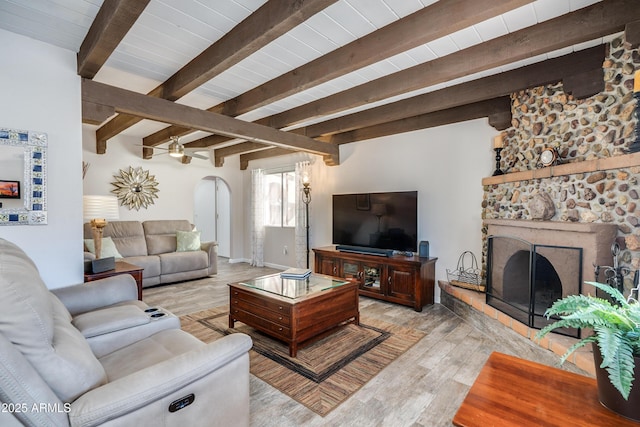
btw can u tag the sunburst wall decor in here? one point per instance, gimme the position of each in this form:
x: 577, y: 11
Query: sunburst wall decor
x: 135, y: 188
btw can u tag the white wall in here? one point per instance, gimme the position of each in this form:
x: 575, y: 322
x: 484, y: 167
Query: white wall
x: 177, y: 182
x: 41, y: 92
x: 445, y: 165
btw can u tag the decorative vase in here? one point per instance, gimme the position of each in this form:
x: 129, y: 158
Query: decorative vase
x: 610, y: 397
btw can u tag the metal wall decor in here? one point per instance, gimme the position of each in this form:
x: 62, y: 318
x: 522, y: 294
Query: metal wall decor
x: 135, y: 188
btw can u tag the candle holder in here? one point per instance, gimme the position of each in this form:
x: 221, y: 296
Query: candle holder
x: 498, y: 171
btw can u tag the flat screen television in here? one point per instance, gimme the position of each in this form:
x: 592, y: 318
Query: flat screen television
x: 376, y: 220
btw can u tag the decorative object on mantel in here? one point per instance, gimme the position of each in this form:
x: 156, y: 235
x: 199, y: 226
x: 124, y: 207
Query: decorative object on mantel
x: 541, y: 206
x: 135, y: 188
x: 498, y: 145
x: 468, y: 277
x: 549, y: 157
x: 615, y: 342
x: 27, y: 150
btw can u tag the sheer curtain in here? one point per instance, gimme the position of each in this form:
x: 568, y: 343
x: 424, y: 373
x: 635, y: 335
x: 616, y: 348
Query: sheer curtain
x: 302, y: 169
x: 257, y: 213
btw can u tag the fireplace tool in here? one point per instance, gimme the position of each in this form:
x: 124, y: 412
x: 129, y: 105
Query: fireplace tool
x: 614, y: 275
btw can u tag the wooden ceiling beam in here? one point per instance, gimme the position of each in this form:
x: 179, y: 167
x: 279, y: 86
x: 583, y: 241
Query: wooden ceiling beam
x: 269, y: 22
x: 263, y: 154
x: 94, y: 114
x: 541, y: 73
x: 586, y: 24
x: 430, y: 23
x: 249, y: 151
x: 148, y: 107
x: 632, y: 33
x: 438, y: 118
x: 388, y: 116
x: 245, y: 147
x: 427, y: 24
x: 488, y: 108
x: 111, y: 24
x: 598, y: 20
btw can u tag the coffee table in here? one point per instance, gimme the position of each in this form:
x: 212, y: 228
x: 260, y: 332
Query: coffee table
x: 293, y: 310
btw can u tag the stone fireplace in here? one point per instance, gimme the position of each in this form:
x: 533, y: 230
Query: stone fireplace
x: 531, y: 264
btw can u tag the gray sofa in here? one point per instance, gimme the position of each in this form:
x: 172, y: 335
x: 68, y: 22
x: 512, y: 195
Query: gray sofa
x: 146, y: 373
x: 152, y: 245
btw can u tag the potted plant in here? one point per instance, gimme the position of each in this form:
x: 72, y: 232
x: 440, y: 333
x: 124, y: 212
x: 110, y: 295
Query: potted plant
x: 616, y: 343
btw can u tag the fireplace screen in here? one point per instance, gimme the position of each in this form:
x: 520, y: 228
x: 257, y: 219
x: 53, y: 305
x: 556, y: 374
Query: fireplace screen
x: 524, y: 279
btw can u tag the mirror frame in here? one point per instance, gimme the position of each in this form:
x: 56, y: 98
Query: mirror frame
x: 34, y: 185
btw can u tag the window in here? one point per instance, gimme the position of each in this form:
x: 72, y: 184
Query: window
x: 280, y: 199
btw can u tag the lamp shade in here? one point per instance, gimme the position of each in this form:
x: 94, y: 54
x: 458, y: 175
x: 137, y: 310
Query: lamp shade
x: 103, y: 207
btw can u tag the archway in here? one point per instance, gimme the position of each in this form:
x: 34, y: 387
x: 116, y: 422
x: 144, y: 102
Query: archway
x: 212, y: 212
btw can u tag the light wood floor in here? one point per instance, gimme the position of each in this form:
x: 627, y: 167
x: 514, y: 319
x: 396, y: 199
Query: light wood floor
x: 423, y: 387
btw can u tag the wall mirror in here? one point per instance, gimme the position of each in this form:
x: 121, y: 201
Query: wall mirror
x: 23, y: 177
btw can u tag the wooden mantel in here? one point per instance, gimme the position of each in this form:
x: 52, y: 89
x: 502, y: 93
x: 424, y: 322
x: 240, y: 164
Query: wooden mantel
x: 604, y: 164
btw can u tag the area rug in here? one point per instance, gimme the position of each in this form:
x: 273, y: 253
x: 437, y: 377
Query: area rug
x: 325, y: 372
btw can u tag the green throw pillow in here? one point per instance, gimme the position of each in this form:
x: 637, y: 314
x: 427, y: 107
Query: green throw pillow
x: 188, y: 241
x: 108, y: 248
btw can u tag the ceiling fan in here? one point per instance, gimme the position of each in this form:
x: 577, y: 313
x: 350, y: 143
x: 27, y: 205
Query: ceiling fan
x: 177, y: 150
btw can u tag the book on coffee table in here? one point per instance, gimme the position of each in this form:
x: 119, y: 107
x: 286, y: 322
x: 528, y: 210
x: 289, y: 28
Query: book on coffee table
x: 296, y: 273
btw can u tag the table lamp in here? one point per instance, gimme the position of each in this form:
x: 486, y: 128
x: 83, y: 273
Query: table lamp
x: 97, y: 210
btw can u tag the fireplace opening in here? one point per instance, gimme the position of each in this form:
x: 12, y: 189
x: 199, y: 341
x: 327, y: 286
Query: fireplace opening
x: 525, y: 279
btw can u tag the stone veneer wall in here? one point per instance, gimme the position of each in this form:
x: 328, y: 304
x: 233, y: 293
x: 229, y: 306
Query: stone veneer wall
x: 593, y: 128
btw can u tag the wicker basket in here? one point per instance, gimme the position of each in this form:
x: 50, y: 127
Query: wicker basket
x: 468, y: 277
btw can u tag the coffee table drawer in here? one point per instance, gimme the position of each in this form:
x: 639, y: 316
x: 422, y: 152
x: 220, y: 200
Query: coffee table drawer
x: 278, y: 307
x: 258, y: 322
x: 276, y: 317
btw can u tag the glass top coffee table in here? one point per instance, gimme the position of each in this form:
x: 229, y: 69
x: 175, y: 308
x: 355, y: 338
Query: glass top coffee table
x: 293, y: 310
x: 294, y: 288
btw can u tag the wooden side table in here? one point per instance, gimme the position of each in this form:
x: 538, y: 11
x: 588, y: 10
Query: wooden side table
x: 510, y: 391
x: 121, y: 268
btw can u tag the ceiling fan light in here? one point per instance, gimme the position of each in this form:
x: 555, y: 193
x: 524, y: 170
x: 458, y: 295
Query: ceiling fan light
x: 176, y: 149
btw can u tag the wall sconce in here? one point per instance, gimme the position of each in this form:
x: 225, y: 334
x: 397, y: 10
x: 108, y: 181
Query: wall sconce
x: 498, y: 145
x: 99, y: 209
x: 306, y: 199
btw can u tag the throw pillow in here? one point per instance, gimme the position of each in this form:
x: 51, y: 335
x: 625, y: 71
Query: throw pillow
x: 108, y: 248
x: 188, y: 241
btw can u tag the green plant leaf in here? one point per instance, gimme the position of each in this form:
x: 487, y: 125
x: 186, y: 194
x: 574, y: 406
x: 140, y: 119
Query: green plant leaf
x: 616, y: 329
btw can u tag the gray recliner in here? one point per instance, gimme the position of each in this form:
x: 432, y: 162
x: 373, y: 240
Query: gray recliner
x: 133, y: 373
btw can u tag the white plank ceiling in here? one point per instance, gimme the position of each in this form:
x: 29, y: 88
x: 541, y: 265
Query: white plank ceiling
x: 170, y: 33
